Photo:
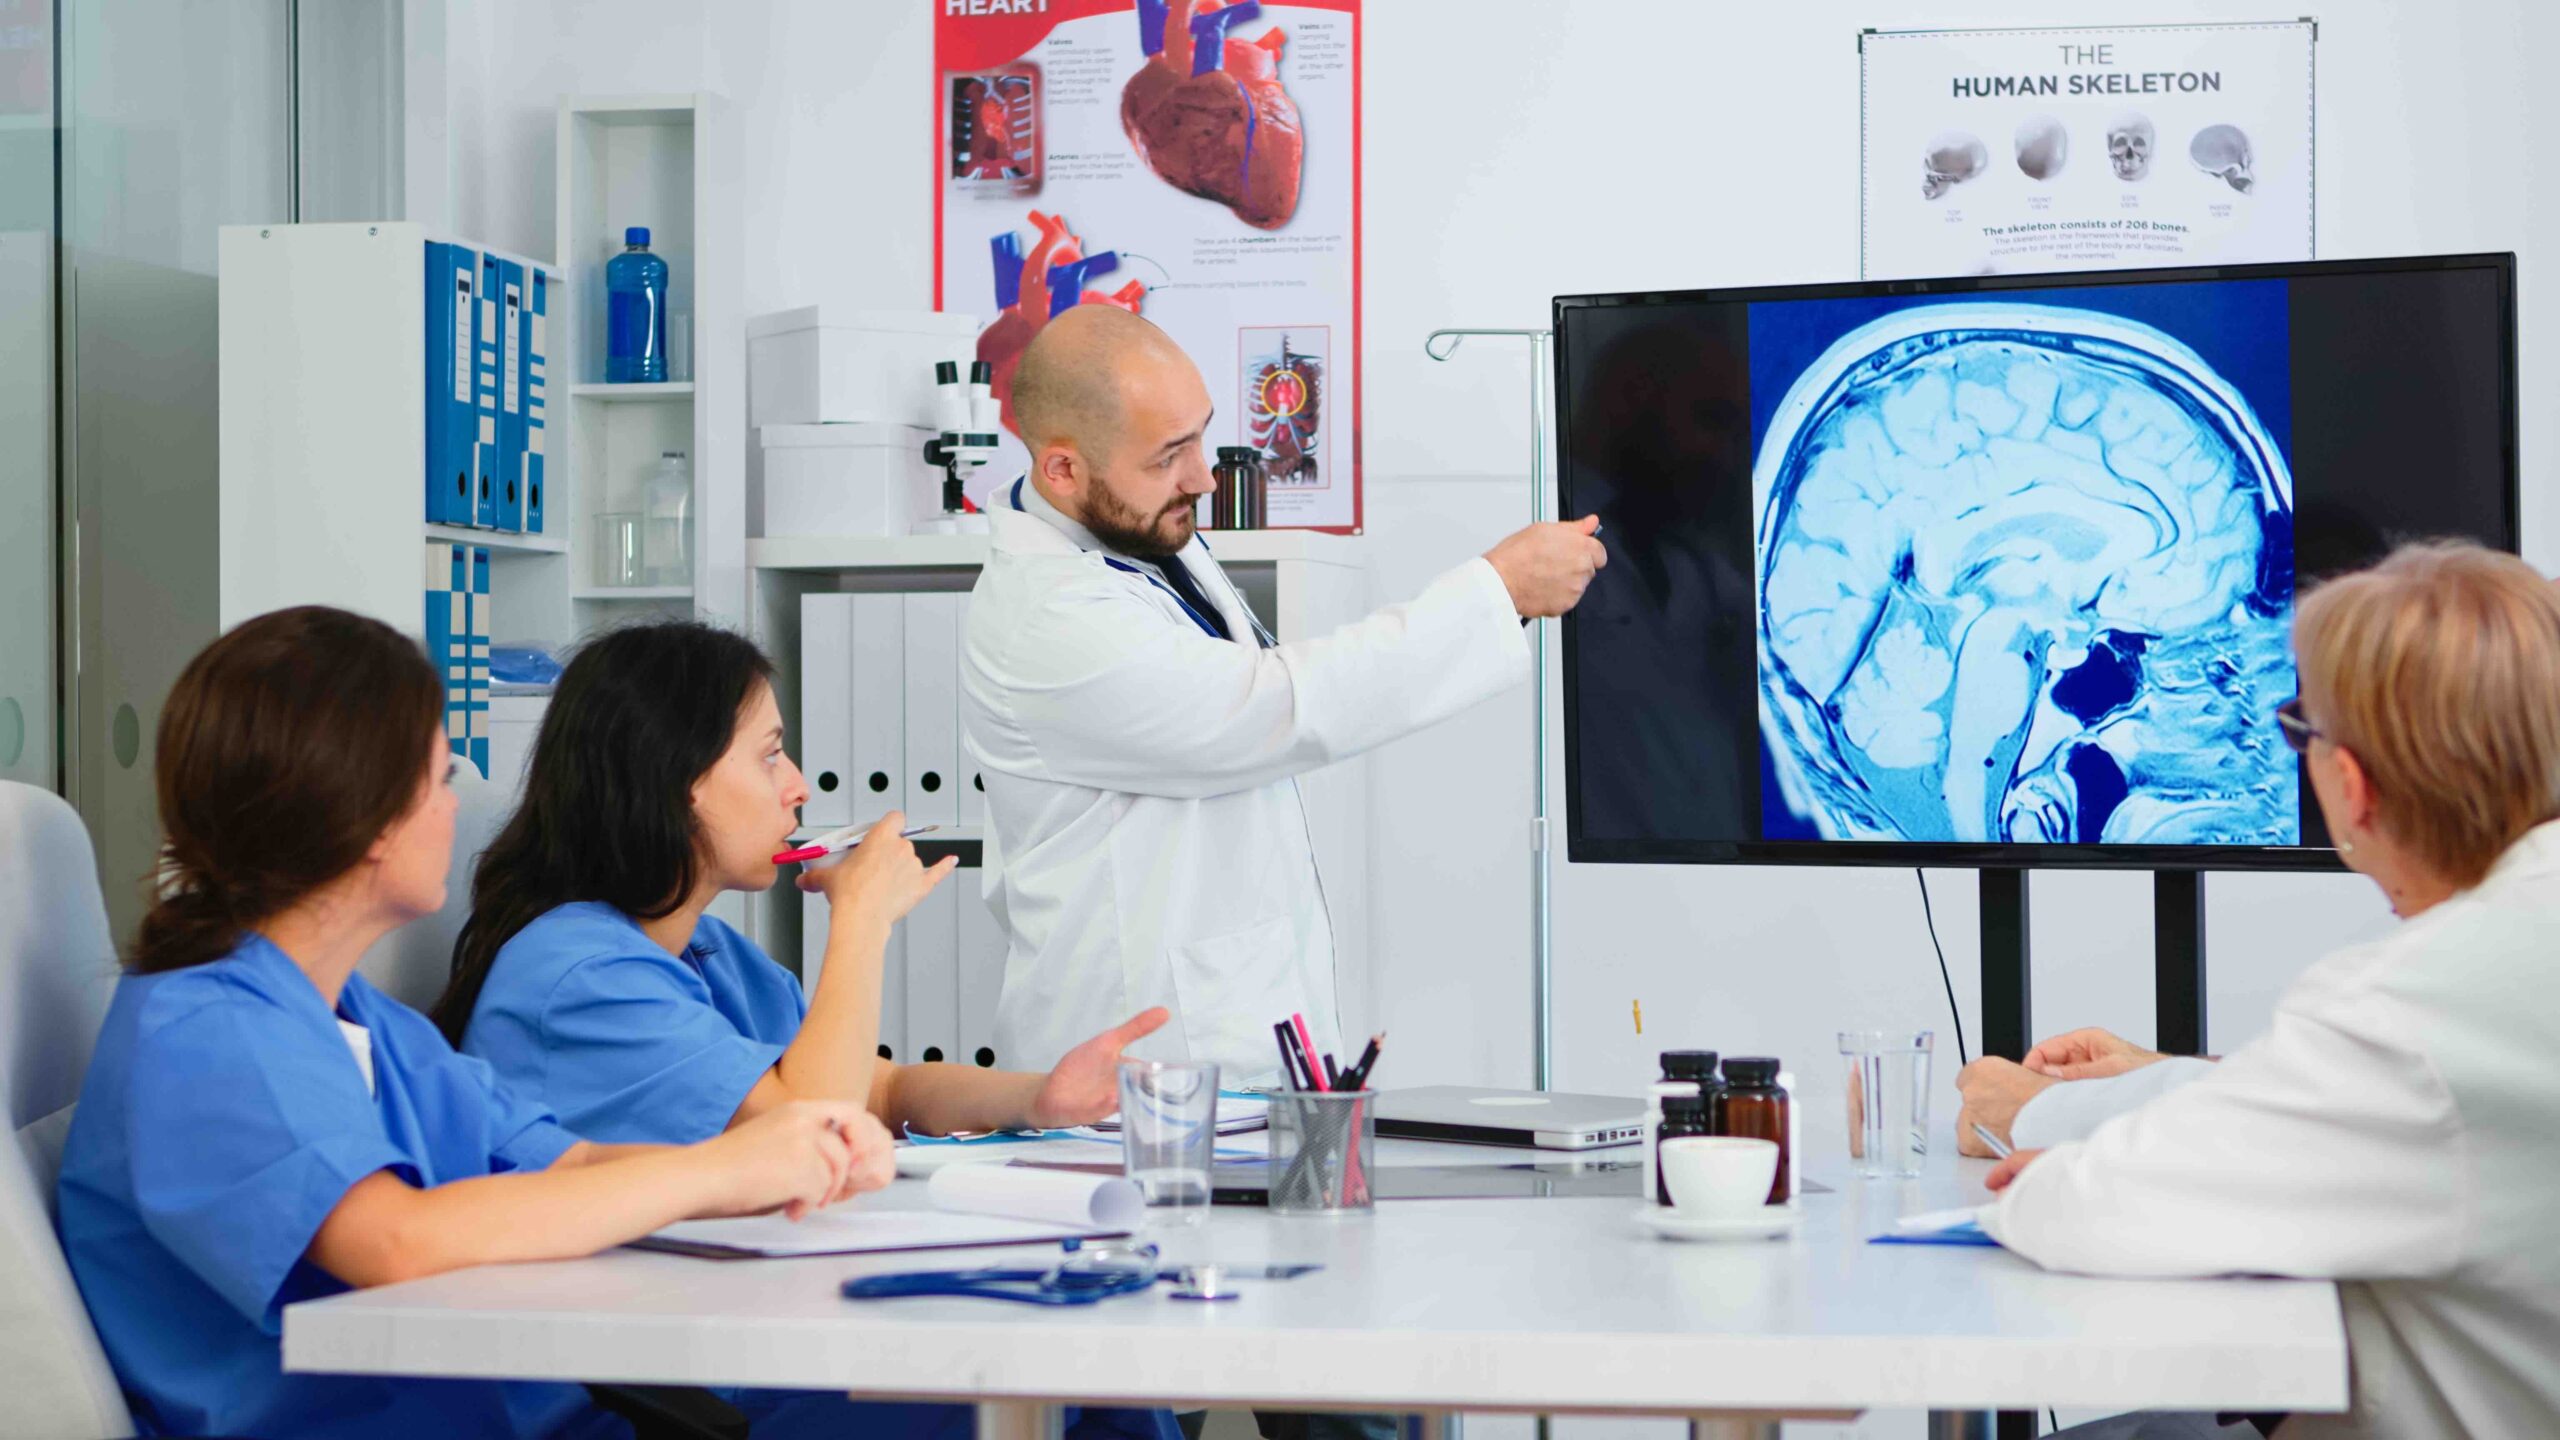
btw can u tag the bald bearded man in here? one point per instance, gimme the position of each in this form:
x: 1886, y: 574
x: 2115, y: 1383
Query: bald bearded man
x: 1141, y: 732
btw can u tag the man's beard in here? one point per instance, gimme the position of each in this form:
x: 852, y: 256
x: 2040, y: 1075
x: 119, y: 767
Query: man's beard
x: 1125, y: 528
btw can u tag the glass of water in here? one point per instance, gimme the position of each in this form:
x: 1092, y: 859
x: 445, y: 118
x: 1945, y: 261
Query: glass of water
x: 1168, y: 1135
x: 1888, y: 1101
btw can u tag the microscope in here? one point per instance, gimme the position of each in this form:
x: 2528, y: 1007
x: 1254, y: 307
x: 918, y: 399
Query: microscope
x: 967, y: 417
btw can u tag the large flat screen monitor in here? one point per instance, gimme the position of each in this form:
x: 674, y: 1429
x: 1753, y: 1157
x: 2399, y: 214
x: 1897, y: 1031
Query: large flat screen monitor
x: 1998, y: 571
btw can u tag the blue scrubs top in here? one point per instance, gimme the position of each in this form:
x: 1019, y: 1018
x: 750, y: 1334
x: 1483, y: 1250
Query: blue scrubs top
x: 626, y: 1043
x: 222, y: 1120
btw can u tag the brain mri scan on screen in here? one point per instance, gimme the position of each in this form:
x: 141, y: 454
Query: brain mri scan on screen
x: 2025, y: 576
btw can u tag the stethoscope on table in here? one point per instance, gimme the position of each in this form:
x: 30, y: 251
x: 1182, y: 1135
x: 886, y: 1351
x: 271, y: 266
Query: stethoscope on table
x: 1089, y: 1275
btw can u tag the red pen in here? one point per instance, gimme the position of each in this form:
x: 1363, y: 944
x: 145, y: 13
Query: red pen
x: 1307, y: 1044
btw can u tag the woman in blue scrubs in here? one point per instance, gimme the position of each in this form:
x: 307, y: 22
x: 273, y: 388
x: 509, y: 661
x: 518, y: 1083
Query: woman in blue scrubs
x: 591, y: 977
x: 260, y: 1126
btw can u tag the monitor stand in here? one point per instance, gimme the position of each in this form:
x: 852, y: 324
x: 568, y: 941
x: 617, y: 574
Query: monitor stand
x: 2177, y: 937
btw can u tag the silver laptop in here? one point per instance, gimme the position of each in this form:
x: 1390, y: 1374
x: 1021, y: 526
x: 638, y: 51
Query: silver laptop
x: 1534, y: 1119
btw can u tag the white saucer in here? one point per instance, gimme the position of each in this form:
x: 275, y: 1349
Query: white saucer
x: 1770, y: 1223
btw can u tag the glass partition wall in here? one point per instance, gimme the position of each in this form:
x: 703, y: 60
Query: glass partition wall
x: 130, y: 130
x: 30, y: 546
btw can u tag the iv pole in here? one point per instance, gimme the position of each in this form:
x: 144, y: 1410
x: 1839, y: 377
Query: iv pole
x: 1440, y: 346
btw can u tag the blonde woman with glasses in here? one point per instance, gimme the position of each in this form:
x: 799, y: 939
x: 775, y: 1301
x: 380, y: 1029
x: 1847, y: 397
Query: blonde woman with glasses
x: 2398, y: 1127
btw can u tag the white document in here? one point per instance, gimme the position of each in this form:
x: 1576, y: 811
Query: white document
x: 933, y: 708
x: 848, y: 1231
x: 1938, y: 1221
x: 933, y: 985
x: 879, y: 707
x: 972, y: 1205
x: 1237, y: 1115
x: 826, y: 700
x: 979, y: 968
x: 1083, y: 1145
x: 919, y: 1161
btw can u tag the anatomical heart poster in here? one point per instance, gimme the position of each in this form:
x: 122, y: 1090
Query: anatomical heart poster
x: 1988, y: 152
x: 1194, y: 161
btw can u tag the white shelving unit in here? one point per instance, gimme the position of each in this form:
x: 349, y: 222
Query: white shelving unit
x: 323, y: 436
x: 543, y: 544
x: 668, y: 162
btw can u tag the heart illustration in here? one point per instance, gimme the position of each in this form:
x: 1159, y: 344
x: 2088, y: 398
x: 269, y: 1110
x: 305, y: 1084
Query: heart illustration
x: 1209, y: 115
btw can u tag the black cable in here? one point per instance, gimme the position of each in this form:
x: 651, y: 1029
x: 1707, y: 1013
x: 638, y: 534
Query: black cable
x: 2056, y: 1418
x: 1962, y: 1058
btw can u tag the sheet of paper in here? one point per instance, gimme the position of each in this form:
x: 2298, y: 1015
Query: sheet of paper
x: 1237, y: 1114
x: 850, y: 1231
x: 1939, y: 1227
x: 916, y: 1162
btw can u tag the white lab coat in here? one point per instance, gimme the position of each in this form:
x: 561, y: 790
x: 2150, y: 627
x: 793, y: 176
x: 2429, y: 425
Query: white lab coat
x: 2398, y: 1128
x: 1147, y: 842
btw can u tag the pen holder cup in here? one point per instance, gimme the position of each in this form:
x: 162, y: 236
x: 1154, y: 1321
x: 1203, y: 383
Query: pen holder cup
x: 1323, y: 1150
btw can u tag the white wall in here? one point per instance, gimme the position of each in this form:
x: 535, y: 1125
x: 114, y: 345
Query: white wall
x: 1495, y: 182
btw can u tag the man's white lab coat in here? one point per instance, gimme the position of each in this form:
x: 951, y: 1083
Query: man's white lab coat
x: 1147, y: 842
x: 2398, y: 1128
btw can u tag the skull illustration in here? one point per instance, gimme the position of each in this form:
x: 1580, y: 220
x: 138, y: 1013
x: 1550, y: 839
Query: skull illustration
x: 2130, y: 139
x: 2223, y: 151
x: 1951, y: 159
x: 2044, y: 147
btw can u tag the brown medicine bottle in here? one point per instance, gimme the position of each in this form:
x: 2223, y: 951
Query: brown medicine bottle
x: 1755, y: 1108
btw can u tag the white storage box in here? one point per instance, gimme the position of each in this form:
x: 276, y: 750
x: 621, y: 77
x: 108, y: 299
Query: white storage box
x: 514, y: 720
x: 824, y: 365
x: 846, y: 479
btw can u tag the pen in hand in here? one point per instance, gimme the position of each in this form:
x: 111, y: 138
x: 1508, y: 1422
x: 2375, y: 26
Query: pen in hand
x: 836, y: 842
x: 1999, y: 1147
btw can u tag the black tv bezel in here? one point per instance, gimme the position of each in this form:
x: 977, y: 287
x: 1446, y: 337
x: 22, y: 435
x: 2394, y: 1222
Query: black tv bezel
x: 1584, y: 849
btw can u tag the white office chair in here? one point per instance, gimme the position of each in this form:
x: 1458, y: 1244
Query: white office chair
x: 57, y: 970
x: 412, y: 963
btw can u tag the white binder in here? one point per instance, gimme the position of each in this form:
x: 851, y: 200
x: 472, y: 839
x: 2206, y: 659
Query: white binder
x: 981, y: 969
x: 878, y: 677
x: 933, y: 709
x: 813, y: 960
x: 813, y: 941
x: 826, y: 716
x: 933, y: 986
x: 973, y: 781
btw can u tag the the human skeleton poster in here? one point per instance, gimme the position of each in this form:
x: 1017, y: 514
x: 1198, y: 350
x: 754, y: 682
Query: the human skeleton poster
x: 2000, y: 151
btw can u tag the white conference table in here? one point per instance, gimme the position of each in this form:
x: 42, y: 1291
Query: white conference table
x: 1426, y: 1307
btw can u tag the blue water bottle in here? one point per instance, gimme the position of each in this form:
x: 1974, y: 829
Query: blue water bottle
x: 635, y: 283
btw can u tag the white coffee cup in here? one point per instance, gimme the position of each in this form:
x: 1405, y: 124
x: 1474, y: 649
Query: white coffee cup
x: 1719, y: 1177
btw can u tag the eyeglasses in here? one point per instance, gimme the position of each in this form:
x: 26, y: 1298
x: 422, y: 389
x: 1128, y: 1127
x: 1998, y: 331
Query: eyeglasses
x: 2298, y: 732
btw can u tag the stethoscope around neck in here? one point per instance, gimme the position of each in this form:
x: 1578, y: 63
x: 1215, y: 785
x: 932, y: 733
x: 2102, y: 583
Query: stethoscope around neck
x: 1206, y: 627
